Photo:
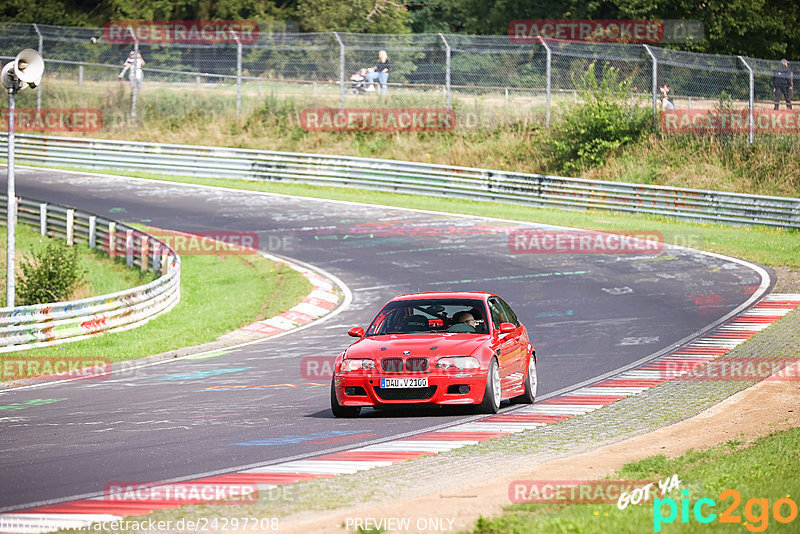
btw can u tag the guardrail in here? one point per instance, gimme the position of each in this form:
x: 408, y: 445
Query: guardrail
x: 40, y: 325
x: 536, y: 190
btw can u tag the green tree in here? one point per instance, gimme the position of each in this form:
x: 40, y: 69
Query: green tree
x: 356, y: 16
x: 97, y: 13
x: 436, y: 16
x: 758, y: 28
x: 55, y: 12
x: 256, y: 10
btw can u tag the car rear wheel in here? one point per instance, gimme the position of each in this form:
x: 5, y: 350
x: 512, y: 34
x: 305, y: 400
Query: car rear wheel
x: 339, y: 410
x: 492, y: 395
x: 531, y: 385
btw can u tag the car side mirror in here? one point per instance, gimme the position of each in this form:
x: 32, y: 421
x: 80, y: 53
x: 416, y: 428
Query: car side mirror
x: 507, y: 328
x: 356, y: 331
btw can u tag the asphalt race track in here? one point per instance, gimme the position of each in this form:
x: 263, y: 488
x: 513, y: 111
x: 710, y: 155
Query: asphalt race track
x: 588, y: 314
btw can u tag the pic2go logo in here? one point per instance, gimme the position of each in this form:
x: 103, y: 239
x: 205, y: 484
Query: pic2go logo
x: 756, y: 521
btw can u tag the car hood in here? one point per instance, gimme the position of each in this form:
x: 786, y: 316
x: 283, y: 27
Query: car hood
x: 418, y: 345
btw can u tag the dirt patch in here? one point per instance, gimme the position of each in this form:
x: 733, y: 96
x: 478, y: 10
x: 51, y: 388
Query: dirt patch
x: 788, y: 280
x: 756, y: 411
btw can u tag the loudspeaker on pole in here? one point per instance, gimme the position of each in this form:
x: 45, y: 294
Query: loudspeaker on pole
x: 29, y: 67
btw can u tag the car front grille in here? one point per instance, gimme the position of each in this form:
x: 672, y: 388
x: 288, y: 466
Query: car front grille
x: 392, y: 365
x: 405, y: 393
x: 416, y: 365
x: 411, y: 365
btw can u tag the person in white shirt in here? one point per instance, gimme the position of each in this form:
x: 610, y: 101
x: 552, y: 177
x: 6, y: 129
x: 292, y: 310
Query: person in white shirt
x: 129, y: 65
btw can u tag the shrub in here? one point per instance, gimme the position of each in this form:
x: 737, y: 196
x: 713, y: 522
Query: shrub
x: 608, y: 119
x: 51, y: 275
x: 275, y: 112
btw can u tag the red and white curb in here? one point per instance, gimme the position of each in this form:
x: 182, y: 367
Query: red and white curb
x: 81, y: 513
x: 324, y: 297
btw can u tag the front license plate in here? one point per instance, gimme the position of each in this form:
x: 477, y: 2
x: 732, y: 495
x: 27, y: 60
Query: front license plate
x: 404, y: 382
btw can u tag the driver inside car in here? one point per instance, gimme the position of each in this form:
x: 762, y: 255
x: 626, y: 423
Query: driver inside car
x: 464, y: 321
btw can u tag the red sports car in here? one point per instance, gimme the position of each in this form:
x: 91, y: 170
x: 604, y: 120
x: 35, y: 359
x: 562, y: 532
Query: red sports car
x: 456, y: 348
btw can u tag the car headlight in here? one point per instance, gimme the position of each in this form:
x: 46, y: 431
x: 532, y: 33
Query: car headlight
x: 357, y: 364
x: 458, y: 362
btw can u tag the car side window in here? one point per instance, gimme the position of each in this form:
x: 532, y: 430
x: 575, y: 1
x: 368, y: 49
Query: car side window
x: 509, y: 313
x: 498, y: 315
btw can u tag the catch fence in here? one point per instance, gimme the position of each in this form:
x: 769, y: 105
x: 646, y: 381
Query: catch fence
x: 486, y: 79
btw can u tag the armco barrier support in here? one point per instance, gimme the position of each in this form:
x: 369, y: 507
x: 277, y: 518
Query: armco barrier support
x: 536, y: 190
x: 25, y: 327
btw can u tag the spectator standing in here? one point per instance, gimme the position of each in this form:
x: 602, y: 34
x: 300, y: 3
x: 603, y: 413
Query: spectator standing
x: 129, y: 65
x: 381, y: 71
x: 666, y: 99
x: 783, y: 84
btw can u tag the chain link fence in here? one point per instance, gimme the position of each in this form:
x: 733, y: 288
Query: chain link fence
x: 486, y: 80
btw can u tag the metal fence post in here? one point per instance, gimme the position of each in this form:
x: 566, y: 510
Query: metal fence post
x: 655, y: 87
x: 80, y: 75
x: 39, y: 87
x: 70, y: 227
x: 341, y: 70
x: 129, y: 248
x: 134, y: 73
x: 43, y: 219
x: 156, y: 256
x: 751, y: 103
x: 238, y: 72
x: 144, y: 254
x: 549, y: 75
x: 112, y: 239
x: 92, y: 231
x: 446, y: 72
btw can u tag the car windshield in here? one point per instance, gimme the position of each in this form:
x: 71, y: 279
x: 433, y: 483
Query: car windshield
x: 430, y: 316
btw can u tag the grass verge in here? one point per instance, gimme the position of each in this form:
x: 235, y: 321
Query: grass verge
x: 103, y: 275
x: 768, y: 246
x: 763, y: 471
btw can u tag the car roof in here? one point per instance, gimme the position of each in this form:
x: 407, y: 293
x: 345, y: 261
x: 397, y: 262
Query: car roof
x: 482, y: 295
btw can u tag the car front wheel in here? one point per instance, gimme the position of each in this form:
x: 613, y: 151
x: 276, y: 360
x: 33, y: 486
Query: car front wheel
x: 531, y: 385
x: 491, y: 397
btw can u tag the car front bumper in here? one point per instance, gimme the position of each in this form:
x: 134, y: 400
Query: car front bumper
x: 363, y: 389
